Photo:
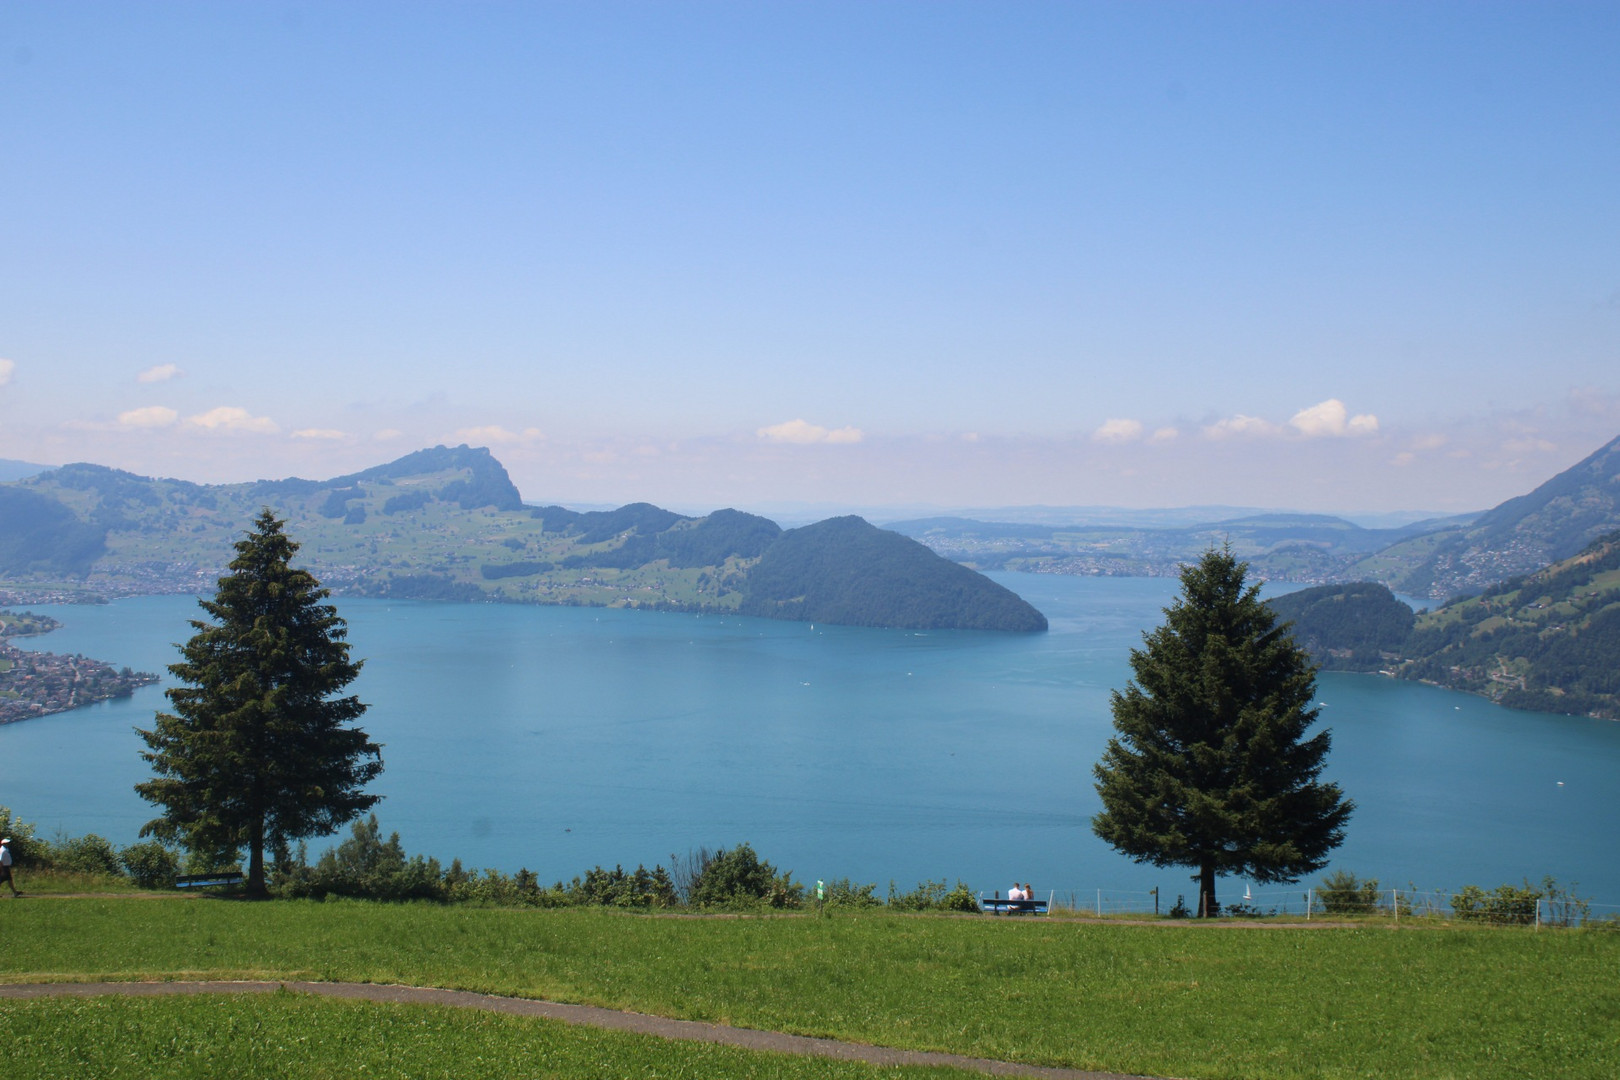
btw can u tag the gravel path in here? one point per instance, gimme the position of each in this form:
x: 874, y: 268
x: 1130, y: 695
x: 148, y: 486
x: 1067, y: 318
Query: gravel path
x: 639, y: 1023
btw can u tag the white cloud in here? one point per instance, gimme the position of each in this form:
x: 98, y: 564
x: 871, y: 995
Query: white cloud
x: 160, y: 373
x: 319, y: 433
x: 1118, y: 431
x: 151, y: 416
x: 388, y: 434
x: 1332, y: 419
x: 496, y: 434
x: 1165, y: 434
x: 231, y: 418
x: 6, y: 368
x: 1240, y: 426
x: 803, y: 433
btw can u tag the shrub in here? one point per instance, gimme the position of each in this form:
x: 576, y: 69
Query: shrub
x: 1510, y: 904
x: 845, y: 893
x: 739, y: 878
x: 364, y: 866
x: 1342, y: 893
x: 87, y: 854
x: 150, y: 865
x: 933, y: 896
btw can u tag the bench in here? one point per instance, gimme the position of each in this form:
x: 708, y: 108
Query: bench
x: 998, y: 906
x: 203, y: 881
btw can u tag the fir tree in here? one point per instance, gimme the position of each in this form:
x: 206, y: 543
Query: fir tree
x: 259, y: 750
x: 1211, y: 766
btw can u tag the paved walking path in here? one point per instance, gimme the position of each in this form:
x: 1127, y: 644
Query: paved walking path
x: 639, y: 1023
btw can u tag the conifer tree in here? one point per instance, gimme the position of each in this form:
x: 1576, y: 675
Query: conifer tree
x: 259, y: 749
x: 1211, y: 766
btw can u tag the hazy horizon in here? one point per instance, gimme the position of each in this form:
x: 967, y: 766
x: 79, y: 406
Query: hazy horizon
x: 1325, y: 258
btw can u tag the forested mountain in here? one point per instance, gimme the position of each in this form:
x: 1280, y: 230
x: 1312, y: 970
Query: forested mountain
x: 1548, y: 641
x: 844, y: 570
x: 447, y: 523
x: 1553, y: 522
x: 1359, y: 627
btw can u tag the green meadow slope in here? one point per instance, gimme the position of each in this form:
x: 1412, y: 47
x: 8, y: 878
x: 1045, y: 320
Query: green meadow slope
x: 1195, y: 1001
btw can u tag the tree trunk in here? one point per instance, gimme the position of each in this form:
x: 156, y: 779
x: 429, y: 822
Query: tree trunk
x: 255, y: 877
x: 1207, y: 907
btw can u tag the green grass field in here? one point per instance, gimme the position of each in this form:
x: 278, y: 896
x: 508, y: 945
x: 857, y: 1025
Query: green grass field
x: 1168, y: 1000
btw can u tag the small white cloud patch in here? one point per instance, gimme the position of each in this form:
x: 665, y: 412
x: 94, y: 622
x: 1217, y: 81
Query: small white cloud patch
x: 6, y: 369
x: 1118, y: 431
x: 803, y: 433
x: 1240, y: 427
x: 160, y: 373
x: 1331, y: 419
x: 320, y: 433
x: 229, y: 418
x: 496, y: 434
x: 152, y: 416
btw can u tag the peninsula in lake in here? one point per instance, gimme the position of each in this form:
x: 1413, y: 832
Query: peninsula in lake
x: 448, y: 524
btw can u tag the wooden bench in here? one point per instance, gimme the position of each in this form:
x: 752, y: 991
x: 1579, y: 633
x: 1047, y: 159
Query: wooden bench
x: 203, y: 881
x: 997, y: 906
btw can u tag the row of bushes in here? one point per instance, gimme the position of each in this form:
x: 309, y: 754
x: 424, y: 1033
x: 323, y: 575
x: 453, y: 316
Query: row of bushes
x: 1343, y: 893
x: 367, y: 866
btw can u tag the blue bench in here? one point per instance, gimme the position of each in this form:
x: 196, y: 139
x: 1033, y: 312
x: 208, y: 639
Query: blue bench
x: 997, y: 906
x: 203, y: 881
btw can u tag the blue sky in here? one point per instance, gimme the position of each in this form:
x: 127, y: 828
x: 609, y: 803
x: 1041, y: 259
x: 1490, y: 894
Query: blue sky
x: 1341, y: 256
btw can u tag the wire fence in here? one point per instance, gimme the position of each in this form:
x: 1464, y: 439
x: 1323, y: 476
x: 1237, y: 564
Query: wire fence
x: 1547, y: 905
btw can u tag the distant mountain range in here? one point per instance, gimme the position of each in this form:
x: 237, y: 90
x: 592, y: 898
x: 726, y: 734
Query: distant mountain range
x: 1438, y: 558
x: 1549, y: 640
x: 447, y: 523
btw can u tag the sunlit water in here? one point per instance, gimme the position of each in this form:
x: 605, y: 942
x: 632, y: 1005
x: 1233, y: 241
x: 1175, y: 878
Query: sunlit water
x: 560, y: 738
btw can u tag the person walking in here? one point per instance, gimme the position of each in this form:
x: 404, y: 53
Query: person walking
x: 5, y: 866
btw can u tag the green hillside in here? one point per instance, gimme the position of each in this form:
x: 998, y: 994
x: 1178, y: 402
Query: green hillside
x: 447, y: 523
x: 1553, y: 522
x: 1359, y: 627
x: 1548, y: 641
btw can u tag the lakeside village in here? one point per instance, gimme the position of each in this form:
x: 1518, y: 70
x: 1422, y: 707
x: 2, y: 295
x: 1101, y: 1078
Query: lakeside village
x: 39, y: 683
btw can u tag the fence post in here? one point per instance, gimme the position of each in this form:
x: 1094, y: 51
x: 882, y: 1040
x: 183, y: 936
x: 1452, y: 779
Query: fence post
x: 1309, y: 903
x: 1395, y: 902
x: 1538, y: 913
x: 1099, y: 903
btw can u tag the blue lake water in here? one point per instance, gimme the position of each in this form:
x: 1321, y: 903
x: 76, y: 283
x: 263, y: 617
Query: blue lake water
x: 560, y: 738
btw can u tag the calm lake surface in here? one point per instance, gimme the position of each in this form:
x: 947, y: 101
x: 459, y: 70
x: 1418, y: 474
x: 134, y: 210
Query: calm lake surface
x: 560, y: 738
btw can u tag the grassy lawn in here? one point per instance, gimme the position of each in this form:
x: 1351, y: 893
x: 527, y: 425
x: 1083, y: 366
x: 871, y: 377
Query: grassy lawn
x: 1174, y: 1000
x: 291, y: 1035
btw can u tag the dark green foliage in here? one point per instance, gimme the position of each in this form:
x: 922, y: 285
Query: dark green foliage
x: 39, y: 535
x: 337, y: 503
x: 410, y: 500
x: 645, y: 518
x: 425, y: 587
x: 150, y: 865
x: 739, y: 878
x: 844, y: 570
x: 1510, y: 904
x: 365, y: 865
x: 87, y: 854
x: 1358, y: 627
x: 1342, y: 893
x: 643, y: 888
x: 497, y: 571
x: 355, y: 516
x: 1548, y: 641
x: 1211, y: 766
x: 844, y: 893
x: 259, y: 749
x: 711, y: 540
x: 934, y: 896
x: 555, y: 518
